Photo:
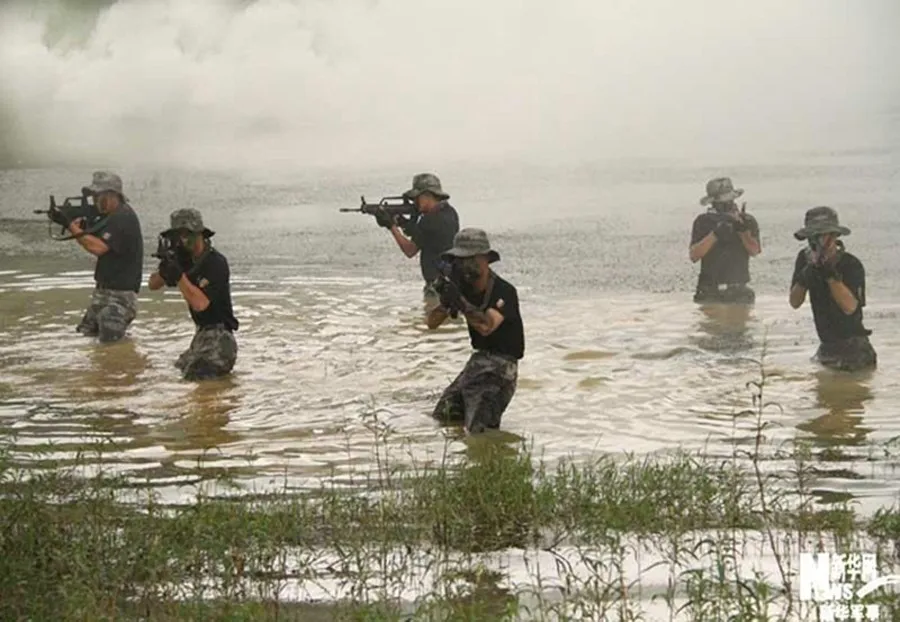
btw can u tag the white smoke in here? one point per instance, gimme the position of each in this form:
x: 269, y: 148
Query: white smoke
x: 299, y: 83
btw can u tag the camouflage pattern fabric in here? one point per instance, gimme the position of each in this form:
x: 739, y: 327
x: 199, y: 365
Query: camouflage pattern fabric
x: 737, y: 294
x: 720, y: 190
x: 188, y: 219
x: 109, y: 314
x: 426, y: 182
x: 213, y: 352
x: 851, y: 354
x: 106, y: 181
x: 480, y: 393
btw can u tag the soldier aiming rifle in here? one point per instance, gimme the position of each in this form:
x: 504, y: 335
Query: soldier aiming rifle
x: 723, y: 239
x: 836, y: 282
x: 421, y: 221
x: 189, y: 262
x: 480, y: 394
x: 105, y: 225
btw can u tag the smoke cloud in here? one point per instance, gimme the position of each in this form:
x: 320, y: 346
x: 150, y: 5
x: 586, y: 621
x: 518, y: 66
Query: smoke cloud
x: 305, y: 83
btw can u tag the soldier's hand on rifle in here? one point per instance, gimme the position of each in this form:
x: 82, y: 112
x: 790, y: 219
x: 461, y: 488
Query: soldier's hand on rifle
x: 741, y: 225
x: 807, y: 273
x: 723, y: 228
x: 170, y: 269
x: 384, y: 219
x: 449, y: 294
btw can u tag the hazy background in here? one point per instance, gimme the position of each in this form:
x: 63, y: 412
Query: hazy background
x: 288, y: 84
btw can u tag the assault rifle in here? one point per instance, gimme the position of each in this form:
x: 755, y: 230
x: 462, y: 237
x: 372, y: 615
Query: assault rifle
x: 450, y: 276
x: 166, y: 247
x: 817, y: 249
x: 169, y: 251
x: 725, y: 217
x: 393, y: 206
x: 73, y: 208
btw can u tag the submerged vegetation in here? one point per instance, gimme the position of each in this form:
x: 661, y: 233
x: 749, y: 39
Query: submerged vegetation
x: 498, y: 534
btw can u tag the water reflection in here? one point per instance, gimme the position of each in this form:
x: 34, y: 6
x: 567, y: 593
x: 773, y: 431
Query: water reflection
x: 724, y: 328
x: 479, y: 448
x: 114, y: 370
x: 843, y: 397
x: 202, y: 417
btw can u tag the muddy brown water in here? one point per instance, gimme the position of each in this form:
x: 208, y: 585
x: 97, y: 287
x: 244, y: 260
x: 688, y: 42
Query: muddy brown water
x: 618, y: 357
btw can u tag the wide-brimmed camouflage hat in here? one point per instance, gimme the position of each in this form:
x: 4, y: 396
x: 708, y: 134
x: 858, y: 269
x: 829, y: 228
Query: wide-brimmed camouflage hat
x: 470, y: 242
x: 819, y: 220
x: 720, y: 190
x: 188, y: 219
x: 105, y: 181
x: 426, y: 182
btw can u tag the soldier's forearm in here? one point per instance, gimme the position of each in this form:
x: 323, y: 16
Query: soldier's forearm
x: 90, y: 243
x: 155, y: 281
x: 798, y: 295
x: 480, y: 321
x: 843, y: 296
x: 193, y: 294
x: 750, y: 243
x: 408, y: 247
x: 436, y: 317
x: 698, y: 251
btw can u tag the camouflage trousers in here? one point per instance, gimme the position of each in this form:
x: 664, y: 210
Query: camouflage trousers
x: 851, y: 354
x: 213, y: 352
x: 480, y: 393
x: 110, y: 313
x: 732, y: 294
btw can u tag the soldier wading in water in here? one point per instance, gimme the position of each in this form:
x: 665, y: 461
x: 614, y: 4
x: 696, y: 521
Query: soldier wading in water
x: 481, y: 392
x: 836, y: 282
x: 723, y: 239
x: 119, y: 248
x: 201, y: 274
x: 430, y: 232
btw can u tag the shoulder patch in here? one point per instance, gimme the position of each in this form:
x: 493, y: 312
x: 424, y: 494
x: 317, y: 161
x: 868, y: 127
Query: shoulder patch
x: 106, y: 235
x: 500, y: 303
x: 203, y: 283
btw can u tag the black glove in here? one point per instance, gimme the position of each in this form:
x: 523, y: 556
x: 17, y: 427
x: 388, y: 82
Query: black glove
x: 740, y: 225
x: 806, y: 275
x: 449, y: 294
x: 828, y: 271
x: 808, y: 272
x: 724, y: 228
x: 170, y: 270
x: 384, y: 219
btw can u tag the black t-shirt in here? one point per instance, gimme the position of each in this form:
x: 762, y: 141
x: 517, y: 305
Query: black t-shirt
x: 212, y: 276
x: 120, y: 268
x: 832, y: 324
x: 727, y: 261
x: 509, y: 338
x: 433, y: 233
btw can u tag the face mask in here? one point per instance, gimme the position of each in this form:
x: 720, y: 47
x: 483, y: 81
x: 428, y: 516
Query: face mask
x: 817, y: 243
x: 471, y: 271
